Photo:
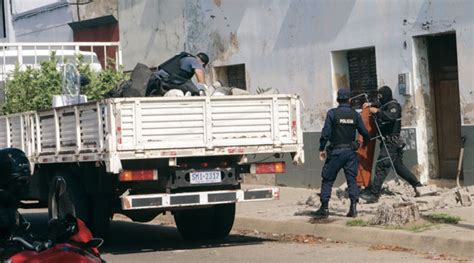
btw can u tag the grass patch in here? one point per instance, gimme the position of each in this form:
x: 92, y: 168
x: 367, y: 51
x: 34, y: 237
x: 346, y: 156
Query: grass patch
x: 417, y: 228
x: 442, y: 218
x: 356, y: 222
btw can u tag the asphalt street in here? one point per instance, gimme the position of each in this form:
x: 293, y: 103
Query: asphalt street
x: 139, y: 242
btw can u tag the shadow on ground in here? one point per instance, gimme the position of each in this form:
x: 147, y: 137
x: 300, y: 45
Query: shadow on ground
x: 128, y: 237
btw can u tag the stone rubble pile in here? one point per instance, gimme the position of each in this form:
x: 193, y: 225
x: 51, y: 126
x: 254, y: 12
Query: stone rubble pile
x: 431, y: 198
x: 396, y: 214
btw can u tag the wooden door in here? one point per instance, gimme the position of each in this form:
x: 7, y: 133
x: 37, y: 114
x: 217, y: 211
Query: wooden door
x: 448, y: 126
x: 444, y: 80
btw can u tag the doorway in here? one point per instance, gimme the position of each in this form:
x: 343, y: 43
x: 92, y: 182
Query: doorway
x: 443, y: 68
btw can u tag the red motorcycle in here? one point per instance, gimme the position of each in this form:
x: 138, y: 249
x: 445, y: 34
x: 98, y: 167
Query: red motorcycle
x: 79, y: 247
x: 69, y: 240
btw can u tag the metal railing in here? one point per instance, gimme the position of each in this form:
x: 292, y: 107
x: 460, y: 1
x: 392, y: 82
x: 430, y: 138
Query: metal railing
x: 98, y: 54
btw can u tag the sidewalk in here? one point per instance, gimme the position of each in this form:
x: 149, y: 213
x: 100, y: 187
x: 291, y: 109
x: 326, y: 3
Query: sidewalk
x: 290, y: 215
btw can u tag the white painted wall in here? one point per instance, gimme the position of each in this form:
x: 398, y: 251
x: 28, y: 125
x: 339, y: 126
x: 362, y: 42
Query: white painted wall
x: 40, y: 21
x: 287, y: 44
x: 151, y: 31
x: 21, y: 6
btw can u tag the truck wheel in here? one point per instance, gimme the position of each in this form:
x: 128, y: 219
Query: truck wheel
x: 194, y: 224
x: 223, y: 220
x: 100, y: 215
x: 141, y: 216
x: 73, y: 200
x: 213, y: 222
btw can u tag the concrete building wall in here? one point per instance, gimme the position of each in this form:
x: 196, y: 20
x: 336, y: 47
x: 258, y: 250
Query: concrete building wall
x: 47, y: 20
x: 95, y: 9
x: 151, y: 31
x: 292, y: 45
x: 41, y: 21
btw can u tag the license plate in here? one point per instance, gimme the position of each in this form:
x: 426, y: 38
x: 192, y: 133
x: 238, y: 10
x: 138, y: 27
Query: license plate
x: 207, y: 177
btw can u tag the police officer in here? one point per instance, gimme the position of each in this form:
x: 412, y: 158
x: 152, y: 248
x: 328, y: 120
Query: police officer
x: 340, y: 130
x: 388, y: 113
x: 176, y: 72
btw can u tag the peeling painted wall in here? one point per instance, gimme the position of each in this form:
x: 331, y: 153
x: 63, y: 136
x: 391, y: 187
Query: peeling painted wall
x: 287, y: 44
x: 95, y: 9
x: 150, y: 31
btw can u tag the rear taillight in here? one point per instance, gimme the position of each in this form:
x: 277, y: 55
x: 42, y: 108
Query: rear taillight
x: 138, y: 175
x: 268, y: 168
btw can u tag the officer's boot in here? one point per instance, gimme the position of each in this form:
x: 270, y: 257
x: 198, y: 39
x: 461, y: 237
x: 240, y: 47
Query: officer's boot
x: 417, y: 193
x: 323, y: 211
x: 352, y: 209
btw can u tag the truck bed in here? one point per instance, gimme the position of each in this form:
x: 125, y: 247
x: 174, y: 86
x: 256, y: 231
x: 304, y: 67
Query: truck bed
x: 119, y: 129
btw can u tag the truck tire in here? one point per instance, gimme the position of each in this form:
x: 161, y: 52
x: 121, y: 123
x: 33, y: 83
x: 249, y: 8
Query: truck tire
x: 74, y: 201
x: 141, y: 216
x: 223, y: 220
x: 99, y: 215
x: 195, y: 224
x: 204, y: 223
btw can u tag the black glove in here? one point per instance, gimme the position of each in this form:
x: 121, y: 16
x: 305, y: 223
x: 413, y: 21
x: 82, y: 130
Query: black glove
x: 60, y: 230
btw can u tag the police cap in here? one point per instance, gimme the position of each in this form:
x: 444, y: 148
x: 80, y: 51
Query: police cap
x: 343, y: 94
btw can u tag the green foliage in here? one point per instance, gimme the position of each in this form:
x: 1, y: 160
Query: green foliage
x: 356, y: 222
x: 100, y: 82
x: 33, y: 88
x: 443, y: 218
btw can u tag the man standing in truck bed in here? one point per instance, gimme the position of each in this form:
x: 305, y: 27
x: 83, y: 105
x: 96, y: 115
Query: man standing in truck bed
x: 176, y: 72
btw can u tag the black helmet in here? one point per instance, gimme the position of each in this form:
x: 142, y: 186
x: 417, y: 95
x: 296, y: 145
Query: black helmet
x: 14, y: 169
x: 203, y: 57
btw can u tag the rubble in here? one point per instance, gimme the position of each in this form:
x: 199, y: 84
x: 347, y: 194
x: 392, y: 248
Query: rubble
x: 470, y: 189
x: 427, y: 190
x: 431, y: 198
x: 313, y: 200
x: 463, y: 196
x: 396, y: 214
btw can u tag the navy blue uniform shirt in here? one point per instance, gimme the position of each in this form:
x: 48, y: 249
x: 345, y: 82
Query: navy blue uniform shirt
x: 327, y: 129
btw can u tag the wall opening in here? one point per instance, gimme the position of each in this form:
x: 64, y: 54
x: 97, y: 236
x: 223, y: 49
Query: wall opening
x: 355, y: 69
x: 231, y: 76
x: 444, y: 87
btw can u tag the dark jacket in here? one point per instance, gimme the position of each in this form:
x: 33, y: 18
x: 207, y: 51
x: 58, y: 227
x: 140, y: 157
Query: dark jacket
x: 331, y: 127
x: 390, y: 118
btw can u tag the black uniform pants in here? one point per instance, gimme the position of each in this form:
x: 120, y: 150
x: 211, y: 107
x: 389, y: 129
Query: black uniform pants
x: 336, y: 160
x: 383, y: 166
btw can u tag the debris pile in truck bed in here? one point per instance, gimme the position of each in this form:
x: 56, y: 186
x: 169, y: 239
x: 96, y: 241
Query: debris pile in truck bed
x: 144, y: 83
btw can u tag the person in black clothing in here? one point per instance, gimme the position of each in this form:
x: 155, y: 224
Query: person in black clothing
x: 14, y: 179
x: 388, y: 115
x: 176, y: 73
x: 340, y: 130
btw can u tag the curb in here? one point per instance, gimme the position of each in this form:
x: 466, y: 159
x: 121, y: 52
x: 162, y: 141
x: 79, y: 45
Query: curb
x: 362, y: 235
x: 421, y: 242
